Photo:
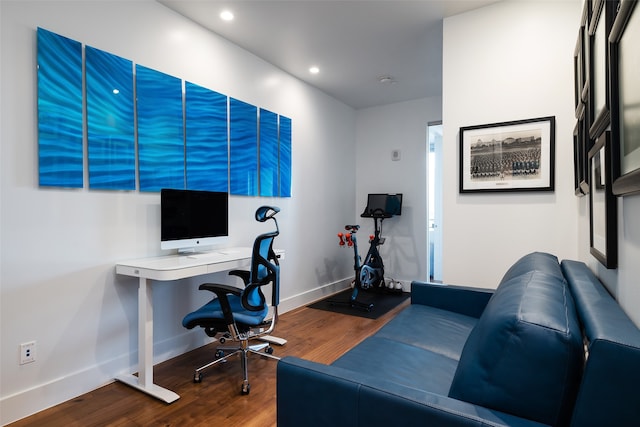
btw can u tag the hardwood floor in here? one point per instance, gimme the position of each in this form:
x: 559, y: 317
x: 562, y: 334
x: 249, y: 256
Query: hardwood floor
x: 312, y: 334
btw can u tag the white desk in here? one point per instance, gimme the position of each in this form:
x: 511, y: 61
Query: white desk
x: 170, y: 267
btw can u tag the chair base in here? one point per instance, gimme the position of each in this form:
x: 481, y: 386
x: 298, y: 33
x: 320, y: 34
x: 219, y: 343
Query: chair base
x: 223, y: 353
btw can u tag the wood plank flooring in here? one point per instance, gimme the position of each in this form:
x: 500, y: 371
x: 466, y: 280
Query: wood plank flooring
x: 312, y: 334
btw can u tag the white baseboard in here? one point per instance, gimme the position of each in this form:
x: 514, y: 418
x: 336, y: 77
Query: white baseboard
x: 313, y: 295
x: 43, y: 396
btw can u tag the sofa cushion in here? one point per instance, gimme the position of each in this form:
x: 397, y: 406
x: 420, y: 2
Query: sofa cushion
x: 524, y: 356
x: 430, y: 328
x: 400, y: 363
x: 535, y: 261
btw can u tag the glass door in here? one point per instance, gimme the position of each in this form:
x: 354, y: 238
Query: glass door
x: 434, y: 201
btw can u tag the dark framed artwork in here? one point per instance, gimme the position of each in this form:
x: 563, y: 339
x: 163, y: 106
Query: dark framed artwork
x: 625, y: 98
x: 599, y: 28
x: 578, y: 74
x: 603, y: 204
x: 584, y: 22
x: 580, y: 157
x: 580, y: 64
x: 508, y: 156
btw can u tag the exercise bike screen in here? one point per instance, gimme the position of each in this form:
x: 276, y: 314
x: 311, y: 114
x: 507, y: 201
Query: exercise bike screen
x: 384, y: 204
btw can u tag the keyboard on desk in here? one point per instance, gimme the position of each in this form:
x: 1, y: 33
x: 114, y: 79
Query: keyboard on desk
x: 205, y: 255
x: 214, y: 254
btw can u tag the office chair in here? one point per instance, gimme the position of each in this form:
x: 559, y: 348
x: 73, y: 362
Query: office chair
x: 240, y: 314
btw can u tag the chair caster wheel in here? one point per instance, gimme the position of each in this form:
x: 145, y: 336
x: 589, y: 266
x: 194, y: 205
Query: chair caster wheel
x: 197, y: 378
x: 245, y: 389
x: 222, y: 340
x: 269, y: 350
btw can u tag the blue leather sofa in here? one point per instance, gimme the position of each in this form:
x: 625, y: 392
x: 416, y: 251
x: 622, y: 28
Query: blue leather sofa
x: 549, y: 347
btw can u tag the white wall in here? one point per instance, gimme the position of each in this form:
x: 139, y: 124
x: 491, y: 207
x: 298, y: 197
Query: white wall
x: 59, y: 247
x: 509, y: 61
x: 513, y: 60
x: 401, y: 126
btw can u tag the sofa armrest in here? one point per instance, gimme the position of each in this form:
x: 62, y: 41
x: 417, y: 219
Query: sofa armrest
x: 315, y: 395
x: 459, y: 299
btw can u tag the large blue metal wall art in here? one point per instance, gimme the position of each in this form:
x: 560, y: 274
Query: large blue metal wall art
x: 207, y: 156
x: 268, y: 153
x: 160, y: 130
x: 60, y: 151
x: 243, y: 148
x: 284, y: 143
x: 110, y: 125
x: 187, y: 136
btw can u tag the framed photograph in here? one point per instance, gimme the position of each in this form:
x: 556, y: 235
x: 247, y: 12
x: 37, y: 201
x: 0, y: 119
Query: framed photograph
x: 584, y: 22
x: 580, y: 63
x: 603, y: 204
x: 509, y: 156
x: 599, y: 28
x: 580, y: 157
x: 625, y: 98
x: 579, y: 74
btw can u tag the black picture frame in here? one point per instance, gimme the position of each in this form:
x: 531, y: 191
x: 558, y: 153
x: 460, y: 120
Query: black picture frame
x: 508, y: 156
x: 598, y: 92
x: 625, y: 98
x: 580, y: 61
x: 579, y: 74
x: 584, y: 22
x: 603, y: 212
x: 580, y: 159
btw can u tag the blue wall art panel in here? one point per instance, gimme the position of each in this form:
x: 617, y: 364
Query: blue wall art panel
x: 110, y: 127
x: 268, y: 144
x: 207, y: 152
x: 243, y: 144
x: 284, y: 135
x: 60, y: 134
x: 160, y: 130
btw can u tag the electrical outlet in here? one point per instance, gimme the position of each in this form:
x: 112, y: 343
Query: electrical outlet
x: 27, y: 352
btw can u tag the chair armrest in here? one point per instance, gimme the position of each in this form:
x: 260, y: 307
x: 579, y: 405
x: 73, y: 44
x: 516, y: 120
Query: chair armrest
x: 315, y: 395
x: 221, y: 292
x: 245, y: 275
x: 459, y: 299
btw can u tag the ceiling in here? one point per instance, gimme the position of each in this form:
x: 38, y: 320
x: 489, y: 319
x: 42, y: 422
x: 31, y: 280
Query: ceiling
x: 369, y: 52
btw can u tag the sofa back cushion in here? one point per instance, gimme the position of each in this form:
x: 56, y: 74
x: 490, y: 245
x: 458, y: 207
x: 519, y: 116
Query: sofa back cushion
x: 608, y: 394
x: 535, y: 261
x: 524, y: 356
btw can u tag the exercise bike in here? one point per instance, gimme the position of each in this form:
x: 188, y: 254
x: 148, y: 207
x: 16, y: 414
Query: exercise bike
x: 369, y: 275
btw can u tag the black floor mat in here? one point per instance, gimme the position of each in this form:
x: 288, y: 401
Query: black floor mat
x: 382, y: 301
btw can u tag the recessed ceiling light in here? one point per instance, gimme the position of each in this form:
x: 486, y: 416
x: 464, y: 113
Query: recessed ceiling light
x: 226, y: 15
x: 314, y: 70
x: 387, y: 79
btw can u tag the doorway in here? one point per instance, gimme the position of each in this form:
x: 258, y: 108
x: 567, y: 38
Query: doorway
x: 434, y: 201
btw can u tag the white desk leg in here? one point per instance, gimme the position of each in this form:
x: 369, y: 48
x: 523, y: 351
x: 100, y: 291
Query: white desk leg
x: 144, y: 380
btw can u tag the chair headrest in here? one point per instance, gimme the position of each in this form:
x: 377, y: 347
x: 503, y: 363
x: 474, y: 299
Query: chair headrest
x: 264, y: 213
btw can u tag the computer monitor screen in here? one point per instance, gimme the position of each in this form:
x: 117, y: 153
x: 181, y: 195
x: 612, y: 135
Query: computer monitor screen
x: 190, y: 219
x: 383, y: 205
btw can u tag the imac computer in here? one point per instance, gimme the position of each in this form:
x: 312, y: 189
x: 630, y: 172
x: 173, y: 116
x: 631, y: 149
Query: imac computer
x: 191, y: 220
